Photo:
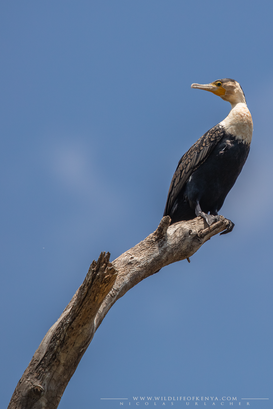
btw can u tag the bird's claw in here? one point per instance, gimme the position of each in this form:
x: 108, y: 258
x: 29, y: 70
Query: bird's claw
x: 210, y: 218
x: 229, y: 227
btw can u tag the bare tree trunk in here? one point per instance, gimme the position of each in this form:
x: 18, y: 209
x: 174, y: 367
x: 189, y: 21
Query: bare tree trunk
x: 56, y: 359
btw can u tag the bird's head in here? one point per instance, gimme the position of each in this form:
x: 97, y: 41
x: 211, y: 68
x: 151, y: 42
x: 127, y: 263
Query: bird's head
x: 226, y: 88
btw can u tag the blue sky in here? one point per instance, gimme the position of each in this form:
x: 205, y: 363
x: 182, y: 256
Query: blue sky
x: 96, y: 110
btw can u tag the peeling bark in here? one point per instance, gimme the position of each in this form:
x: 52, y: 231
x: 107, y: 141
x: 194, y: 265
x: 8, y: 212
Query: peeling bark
x: 56, y: 359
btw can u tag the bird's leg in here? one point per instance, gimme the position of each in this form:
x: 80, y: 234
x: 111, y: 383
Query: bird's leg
x: 212, y: 218
x: 209, y: 218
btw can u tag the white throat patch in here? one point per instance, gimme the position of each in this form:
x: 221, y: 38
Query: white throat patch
x: 239, y: 123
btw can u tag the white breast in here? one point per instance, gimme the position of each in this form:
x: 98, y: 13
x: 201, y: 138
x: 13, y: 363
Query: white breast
x: 239, y: 122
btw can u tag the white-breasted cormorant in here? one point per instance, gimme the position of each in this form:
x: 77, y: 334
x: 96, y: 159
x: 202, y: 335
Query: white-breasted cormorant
x: 206, y: 173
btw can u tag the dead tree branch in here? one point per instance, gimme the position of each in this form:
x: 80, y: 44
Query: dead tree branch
x: 56, y: 359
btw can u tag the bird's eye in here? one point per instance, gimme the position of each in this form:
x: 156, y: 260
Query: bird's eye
x: 218, y: 84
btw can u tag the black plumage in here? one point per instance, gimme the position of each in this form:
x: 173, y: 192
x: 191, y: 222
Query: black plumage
x: 208, y: 170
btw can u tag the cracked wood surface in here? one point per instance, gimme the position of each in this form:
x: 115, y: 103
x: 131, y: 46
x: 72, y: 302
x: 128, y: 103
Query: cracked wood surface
x: 56, y: 359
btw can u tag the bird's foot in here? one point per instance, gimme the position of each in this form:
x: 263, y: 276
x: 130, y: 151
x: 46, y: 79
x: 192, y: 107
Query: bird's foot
x: 210, y: 218
x: 229, y: 227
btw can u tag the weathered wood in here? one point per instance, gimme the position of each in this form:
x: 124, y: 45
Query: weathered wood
x: 62, y: 348
x: 45, y: 379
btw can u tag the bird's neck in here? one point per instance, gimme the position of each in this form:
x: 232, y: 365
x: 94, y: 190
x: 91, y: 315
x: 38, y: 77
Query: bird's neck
x: 239, y: 122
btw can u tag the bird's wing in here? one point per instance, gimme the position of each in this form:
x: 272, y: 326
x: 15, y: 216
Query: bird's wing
x: 190, y: 161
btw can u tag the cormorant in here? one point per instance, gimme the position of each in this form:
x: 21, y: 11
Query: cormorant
x: 206, y: 173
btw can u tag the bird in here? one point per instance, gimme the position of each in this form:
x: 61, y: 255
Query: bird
x: 208, y: 170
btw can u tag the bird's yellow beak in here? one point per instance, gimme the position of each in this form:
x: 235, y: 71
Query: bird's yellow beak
x: 212, y: 87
